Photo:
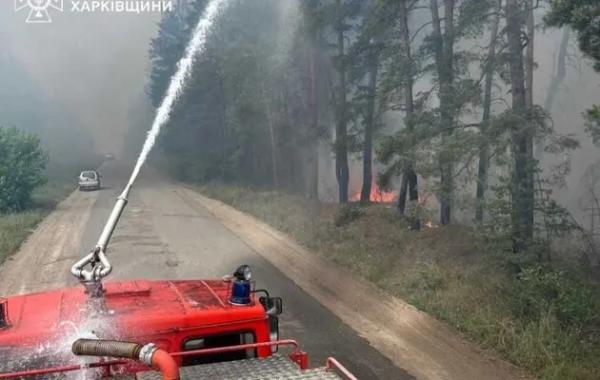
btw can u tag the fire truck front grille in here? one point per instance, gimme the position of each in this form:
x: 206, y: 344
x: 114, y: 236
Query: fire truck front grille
x: 274, y: 367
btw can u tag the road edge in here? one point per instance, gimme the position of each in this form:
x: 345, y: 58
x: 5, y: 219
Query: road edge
x: 18, y: 278
x: 412, y: 339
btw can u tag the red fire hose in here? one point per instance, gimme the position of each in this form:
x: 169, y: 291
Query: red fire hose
x: 147, y: 354
x: 163, y: 362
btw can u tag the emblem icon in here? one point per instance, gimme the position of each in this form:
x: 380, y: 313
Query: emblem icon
x: 38, y: 9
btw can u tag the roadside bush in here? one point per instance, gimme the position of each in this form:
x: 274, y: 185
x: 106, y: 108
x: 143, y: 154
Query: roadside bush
x: 22, y: 162
x: 540, y: 291
x: 429, y: 277
x: 347, y: 214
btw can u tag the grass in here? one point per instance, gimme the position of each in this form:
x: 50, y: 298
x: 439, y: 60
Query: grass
x: 544, y: 319
x: 16, y: 227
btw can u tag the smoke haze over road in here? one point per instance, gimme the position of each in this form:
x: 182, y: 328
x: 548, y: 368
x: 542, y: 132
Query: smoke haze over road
x: 78, y: 75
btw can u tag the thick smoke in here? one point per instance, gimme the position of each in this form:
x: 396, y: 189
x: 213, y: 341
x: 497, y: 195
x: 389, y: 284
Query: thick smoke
x: 76, y: 78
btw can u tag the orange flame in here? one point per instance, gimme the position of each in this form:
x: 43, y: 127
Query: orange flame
x: 377, y: 195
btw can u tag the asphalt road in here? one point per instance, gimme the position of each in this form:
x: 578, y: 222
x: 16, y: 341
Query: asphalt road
x: 164, y: 236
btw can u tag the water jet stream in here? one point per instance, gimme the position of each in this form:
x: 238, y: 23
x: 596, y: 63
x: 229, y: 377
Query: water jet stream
x: 95, y: 323
x: 196, y: 46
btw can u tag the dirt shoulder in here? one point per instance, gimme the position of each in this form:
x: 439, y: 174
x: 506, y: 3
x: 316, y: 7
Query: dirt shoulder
x: 56, y: 240
x: 427, y: 348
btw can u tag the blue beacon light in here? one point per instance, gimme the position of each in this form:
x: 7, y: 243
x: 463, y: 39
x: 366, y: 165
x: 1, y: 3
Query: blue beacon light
x: 241, y: 286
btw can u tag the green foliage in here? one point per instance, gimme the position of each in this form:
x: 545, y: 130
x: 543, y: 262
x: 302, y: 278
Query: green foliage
x: 435, y: 140
x: 22, y: 162
x: 14, y: 229
x: 583, y: 17
x: 168, y: 47
x: 472, y: 16
x: 592, y: 123
x: 244, y: 114
x: 348, y: 214
x: 540, y: 291
x: 553, y: 221
x: 430, y: 277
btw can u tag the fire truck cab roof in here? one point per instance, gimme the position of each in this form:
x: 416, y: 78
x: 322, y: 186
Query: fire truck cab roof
x: 175, y: 315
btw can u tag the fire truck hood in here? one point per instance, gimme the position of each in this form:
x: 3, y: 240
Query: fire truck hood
x: 133, y: 309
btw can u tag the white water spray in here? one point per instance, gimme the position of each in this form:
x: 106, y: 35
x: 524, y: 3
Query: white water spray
x: 195, y: 47
x: 100, y: 266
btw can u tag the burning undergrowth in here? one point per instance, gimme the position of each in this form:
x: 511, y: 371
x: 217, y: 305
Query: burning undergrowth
x: 377, y: 195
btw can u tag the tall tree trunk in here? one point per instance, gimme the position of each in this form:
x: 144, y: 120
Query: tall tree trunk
x: 313, y: 110
x: 341, y: 144
x: 273, y: 141
x: 309, y: 9
x: 222, y: 131
x: 522, y: 141
x: 561, y: 70
x: 444, y: 55
x: 403, y: 191
x: 365, y: 194
x: 558, y: 76
x: 530, y: 54
x: 484, y: 160
x: 408, y: 98
x: 293, y: 176
x: 409, y: 178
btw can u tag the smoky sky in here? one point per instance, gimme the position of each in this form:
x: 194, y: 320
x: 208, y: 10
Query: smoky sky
x: 77, y: 76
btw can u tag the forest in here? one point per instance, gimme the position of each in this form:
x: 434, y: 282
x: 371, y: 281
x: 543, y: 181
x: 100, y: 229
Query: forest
x: 426, y: 97
x: 428, y: 104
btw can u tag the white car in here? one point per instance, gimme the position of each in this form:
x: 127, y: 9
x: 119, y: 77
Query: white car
x: 89, y: 180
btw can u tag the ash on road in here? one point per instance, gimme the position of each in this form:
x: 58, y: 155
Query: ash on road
x: 170, y: 232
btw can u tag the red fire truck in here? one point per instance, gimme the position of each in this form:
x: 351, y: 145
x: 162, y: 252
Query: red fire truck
x: 200, y: 329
